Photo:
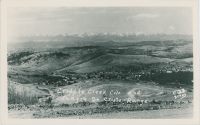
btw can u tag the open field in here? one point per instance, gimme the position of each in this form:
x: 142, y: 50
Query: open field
x: 145, y: 114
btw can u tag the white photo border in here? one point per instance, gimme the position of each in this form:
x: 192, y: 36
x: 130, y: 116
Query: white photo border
x: 98, y: 3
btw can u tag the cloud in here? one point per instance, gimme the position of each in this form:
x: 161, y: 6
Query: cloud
x: 27, y: 15
x: 146, y: 15
x: 172, y: 28
x: 143, y: 16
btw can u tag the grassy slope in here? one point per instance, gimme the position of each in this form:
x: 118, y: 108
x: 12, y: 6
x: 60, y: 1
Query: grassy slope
x: 95, y: 58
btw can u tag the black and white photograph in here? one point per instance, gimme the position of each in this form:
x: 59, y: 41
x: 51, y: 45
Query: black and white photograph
x: 99, y: 61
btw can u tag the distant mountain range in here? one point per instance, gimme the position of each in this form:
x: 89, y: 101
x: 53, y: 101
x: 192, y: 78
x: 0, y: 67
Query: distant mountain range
x: 61, y: 41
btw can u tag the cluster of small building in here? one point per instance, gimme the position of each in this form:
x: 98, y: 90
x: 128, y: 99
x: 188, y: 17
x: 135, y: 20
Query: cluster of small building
x: 72, y: 78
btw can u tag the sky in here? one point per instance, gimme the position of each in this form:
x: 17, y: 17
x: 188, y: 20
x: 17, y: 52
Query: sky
x: 26, y: 21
